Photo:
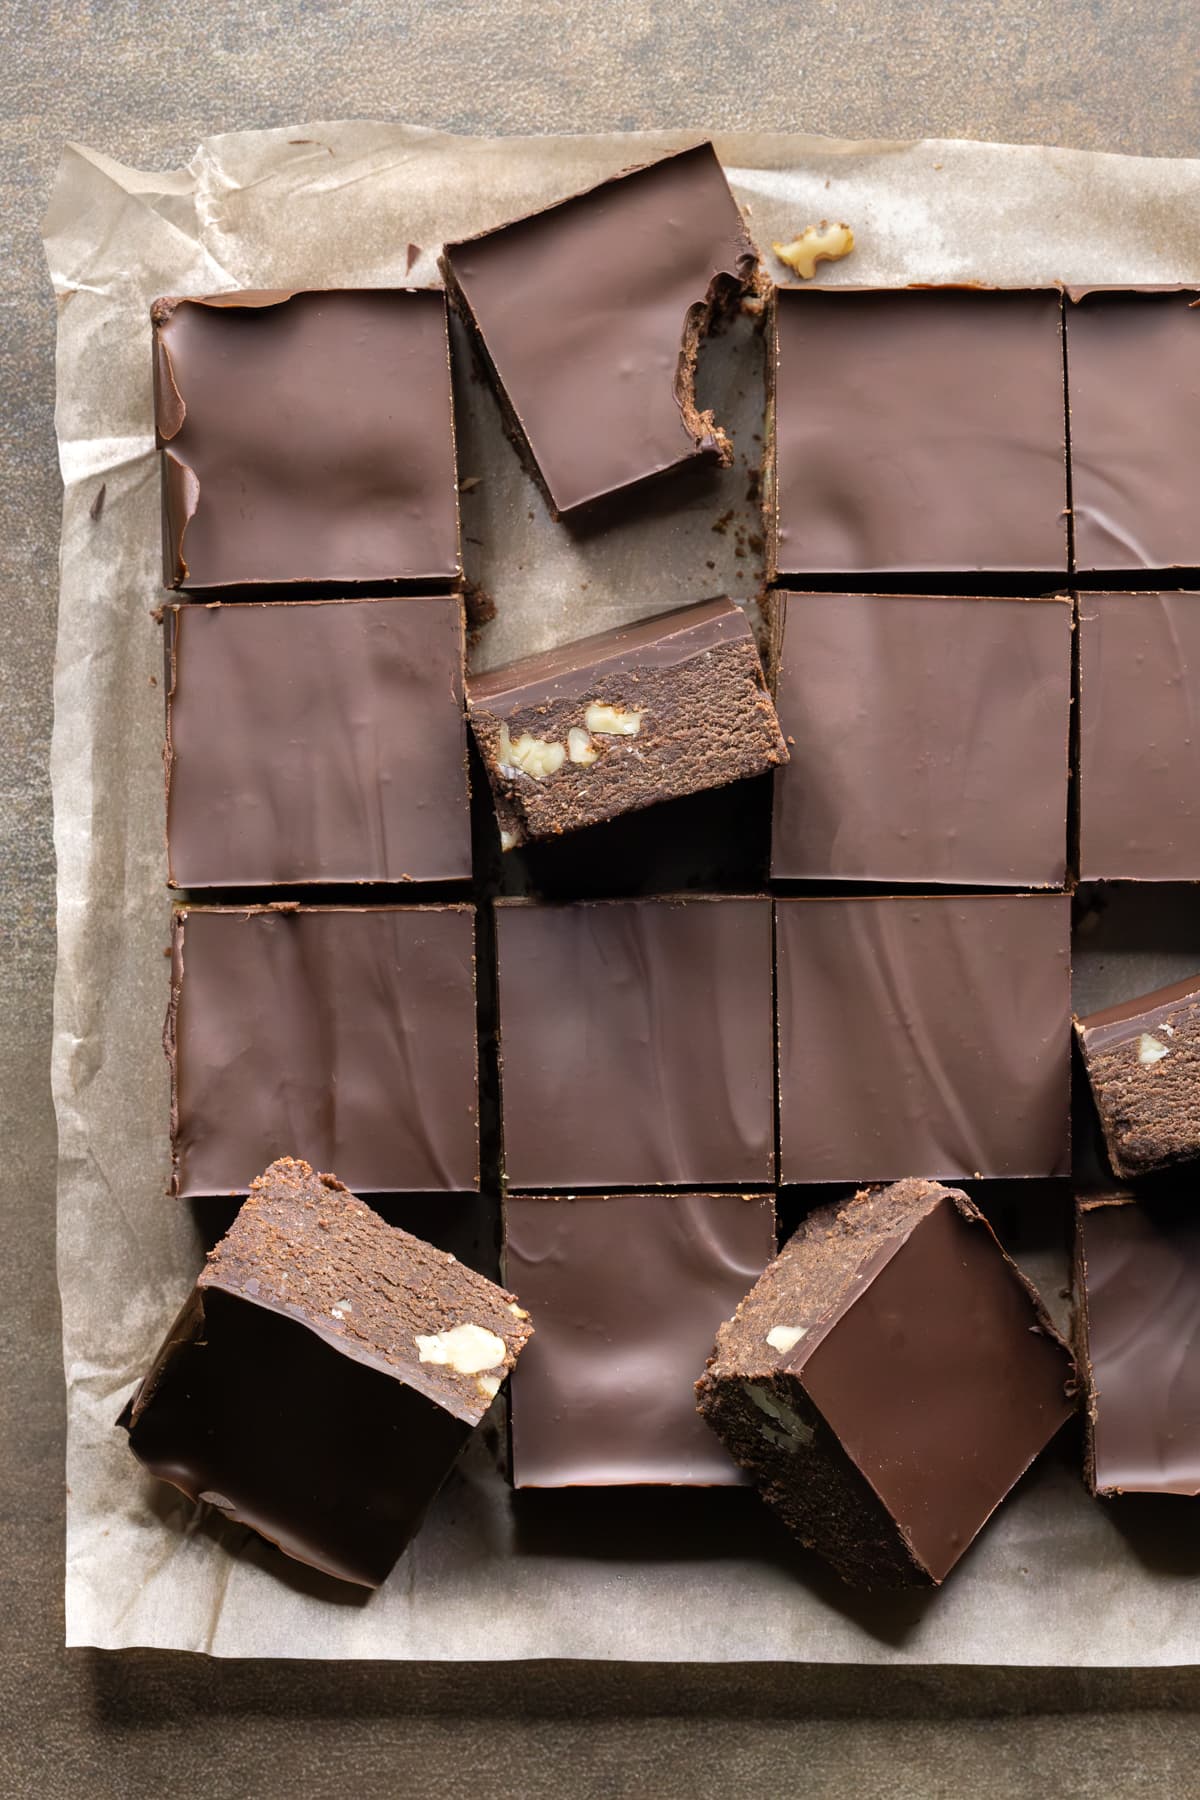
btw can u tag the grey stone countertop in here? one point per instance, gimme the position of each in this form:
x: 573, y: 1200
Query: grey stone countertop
x: 144, y: 80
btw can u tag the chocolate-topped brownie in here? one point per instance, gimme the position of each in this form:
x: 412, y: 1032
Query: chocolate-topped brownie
x: 1137, y: 1338
x: 306, y: 438
x: 589, y: 315
x: 324, y: 1374
x: 918, y: 430
x: 888, y: 1381
x: 611, y: 723
x: 626, y: 1291
x: 927, y: 1031
x: 1143, y: 1062
x: 929, y: 739
x: 1139, y: 750
x: 347, y: 1032
x: 1133, y: 380
x: 635, y: 1042
x: 316, y: 741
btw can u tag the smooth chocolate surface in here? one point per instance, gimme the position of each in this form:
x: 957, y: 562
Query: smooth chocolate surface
x: 345, y: 1035
x: 1133, y: 377
x: 1143, y: 1062
x: 1139, y: 749
x: 643, y: 713
x: 588, y: 312
x: 316, y: 741
x: 928, y: 1032
x: 1137, y: 1296
x: 635, y: 1043
x: 323, y: 1376
x: 919, y: 430
x: 626, y: 1292
x: 888, y: 1380
x: 306, y: 438
x: 929, y: 739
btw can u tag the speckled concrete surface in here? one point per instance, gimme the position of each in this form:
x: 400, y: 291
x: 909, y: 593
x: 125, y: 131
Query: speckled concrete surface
x: 144, y: 80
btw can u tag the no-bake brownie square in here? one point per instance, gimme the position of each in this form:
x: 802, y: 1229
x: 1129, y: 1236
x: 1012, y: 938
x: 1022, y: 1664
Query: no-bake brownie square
x: 306, y: 438
x: 928, y: 738
x: 316, y: 742
x: 626, y: 1292
x: 323, y: 1375
x: 589, y: 313
x: 1142, y: 1058
x: 926, y: 1032
x: 1137, y: 1339
x: 635, y: 1043
x: 918, y: 430
x: 343, y: 1035
x: 1139, y: 749
x: 888, y: 1380
x: 1133, y: 382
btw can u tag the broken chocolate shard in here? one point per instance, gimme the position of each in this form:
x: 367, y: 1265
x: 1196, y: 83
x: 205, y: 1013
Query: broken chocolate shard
x: 1143, y: 1063
x: 888, y: 1381
x: 324, y: 1375
x: 307, y: 439
x: 639, y: 714
x: 589, y: 316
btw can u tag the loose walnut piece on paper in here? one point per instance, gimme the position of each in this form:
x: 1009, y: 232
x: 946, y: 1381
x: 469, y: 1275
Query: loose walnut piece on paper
x: 819, y: 243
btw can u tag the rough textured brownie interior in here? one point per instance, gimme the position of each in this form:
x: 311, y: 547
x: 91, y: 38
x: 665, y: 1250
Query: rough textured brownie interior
x: 755, y: 1390
x: 1143, y: 1062
x: 303, y: 1245
x: 636, y: 715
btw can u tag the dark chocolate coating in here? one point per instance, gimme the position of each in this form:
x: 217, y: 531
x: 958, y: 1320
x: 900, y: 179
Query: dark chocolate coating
x: 929, y: 740
x: 1143, y: 1062
x: 919, y: 430
x: 306, y: 438
x: 917, y: 1378
x: 635, y: 1042
x: 1137, y: 1294
x: 316, y: 741
x: 1139, y: 747
x: 627, y: 1292
x: 584, y: 311
x: 1133, y: 378
x: 296, y: 1392
x: 928, y: 1032
x: 346, y: 1036
x: 690, y: 685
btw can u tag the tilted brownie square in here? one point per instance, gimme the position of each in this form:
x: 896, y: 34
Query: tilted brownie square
x: 589, y: 316
x: 929, y: 740
x: 635, y: 1043
x: 925, y: 1031
x: 670, y: 706
x: 918, y: 430
x: 306, y: 438
x: 316, y: 741
x: 323, y: 1376
x: 346, y: 1033
x: 888, y: 1381
x: 626, y: 1291
x: 1143, y: 1062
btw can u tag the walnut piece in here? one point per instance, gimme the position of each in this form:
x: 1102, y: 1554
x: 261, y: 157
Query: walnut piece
x: 467, y: 1349
x: 534, y: 756
x: 818, y: 243
x: 613, y: 721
